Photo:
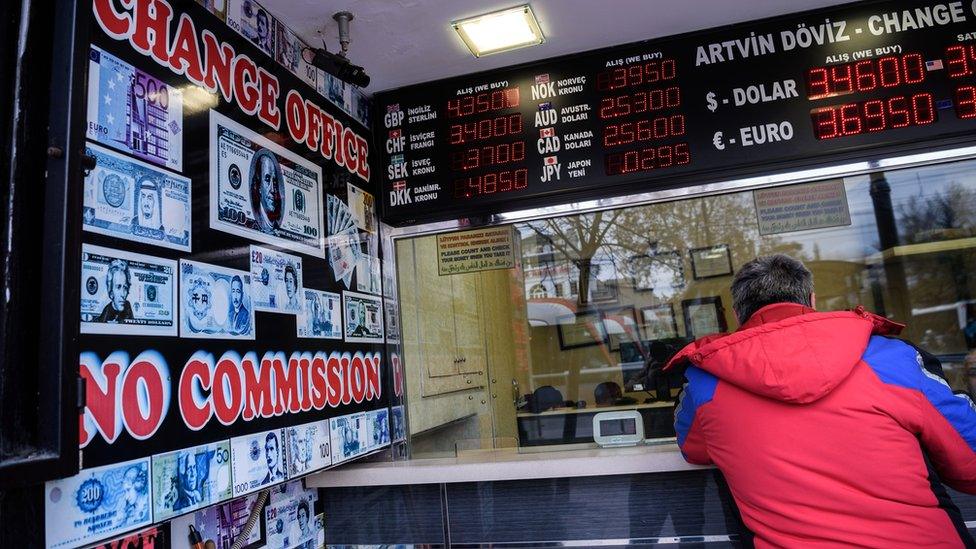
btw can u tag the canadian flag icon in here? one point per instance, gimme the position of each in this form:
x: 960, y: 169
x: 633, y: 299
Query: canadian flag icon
x: 550, y: 160
x: 547, y: 132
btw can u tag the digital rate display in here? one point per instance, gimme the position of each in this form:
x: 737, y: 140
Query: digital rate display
x: 861, y: 80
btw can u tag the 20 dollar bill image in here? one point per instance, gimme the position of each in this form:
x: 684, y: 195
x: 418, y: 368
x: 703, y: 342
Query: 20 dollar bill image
x: 97, y: 503
x: 127, y: 293
x: 262, y: 191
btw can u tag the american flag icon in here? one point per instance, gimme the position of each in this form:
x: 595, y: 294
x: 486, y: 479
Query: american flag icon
x: 935, y: 65
x: 547, y: 132
x: 550, y: 160
x: 542, y: 78
x: 394, y: 134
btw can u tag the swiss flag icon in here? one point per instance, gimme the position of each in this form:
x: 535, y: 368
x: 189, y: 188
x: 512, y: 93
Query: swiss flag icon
x: 547, y: 132
x: 394, y: 134
x: 550, y: 160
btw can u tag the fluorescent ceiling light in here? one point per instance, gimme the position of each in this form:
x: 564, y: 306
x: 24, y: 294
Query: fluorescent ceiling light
x: 500, y: 31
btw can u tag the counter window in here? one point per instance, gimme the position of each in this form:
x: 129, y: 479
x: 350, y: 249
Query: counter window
x: 597, y: 303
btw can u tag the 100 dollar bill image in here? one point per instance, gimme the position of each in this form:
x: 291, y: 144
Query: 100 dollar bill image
x: 130, y: 110
x: 97, y: 503
x: 189, y: 479
x: 215, y: 302
x: 129, y: 199
x: 262, y: 191
x: 127, y: 293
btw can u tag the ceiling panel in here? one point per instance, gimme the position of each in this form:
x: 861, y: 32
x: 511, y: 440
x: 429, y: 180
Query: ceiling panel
x: 402, y: 42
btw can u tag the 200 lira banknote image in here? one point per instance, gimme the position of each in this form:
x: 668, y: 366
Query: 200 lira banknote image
x: 262, y: 191
x: 127, y: 293
x: 276, y: 281
x: 215, y: 302
x: 132, y: 111
x: 309, y: 447
x: 97, y: 503
x: 136, y: 201
x: 258, y: 460
x: 321, y: 317
x: 189, y: 479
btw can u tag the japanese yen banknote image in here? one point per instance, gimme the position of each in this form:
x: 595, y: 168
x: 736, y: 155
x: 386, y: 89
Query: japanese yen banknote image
x: 258, y: 460
x: 189, y: 479
x: 126, y: 293
x: 309, y: 447
x: 215, y: 302
x: 289, y: 517
x: 130, y: 199
x: 262, y: 191
x: 130, y: 110
x: 97, y: 503
x: 321, y: 317
x: 276, y: 281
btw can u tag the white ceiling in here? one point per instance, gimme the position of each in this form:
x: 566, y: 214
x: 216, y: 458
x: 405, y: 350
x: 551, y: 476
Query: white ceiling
x: 402, y: 42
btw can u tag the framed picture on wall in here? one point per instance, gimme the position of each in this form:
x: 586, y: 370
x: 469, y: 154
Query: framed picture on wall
x: 711, y: 261
x: 580, y: 330
x: 620, y: 324
x: 662, y: 273
x: 659, y: 322
x: 703, y: 316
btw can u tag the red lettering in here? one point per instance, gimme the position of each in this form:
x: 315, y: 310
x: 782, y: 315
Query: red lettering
x: 346, y: 384
x: 328, y: 136
x: 227, y: 375
x: 397, y: 375
x: 363, y: 155
x: 185, y: 56
x: 295, y: 116
x: 100, y: 403
x: 338, y: 149
x: 115, y: 24
x: 286, y: 386
x: 358, y: 376
x: 335, y: 381
x: 245, y: 87
x: 195, y: 415
x: 319, y: 384
x: 142, y: 378
x: 270, y: 90
x: 303, y: 367
x: 373, y: 387
x: 258, y: 399
x: 151, y: 35
x: 350, y: 148
x: 219, y: 59
x: 314, y: 125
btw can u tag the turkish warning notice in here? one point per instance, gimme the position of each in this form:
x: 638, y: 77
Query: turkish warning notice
x: 802, y: 207
x: 477, y: 250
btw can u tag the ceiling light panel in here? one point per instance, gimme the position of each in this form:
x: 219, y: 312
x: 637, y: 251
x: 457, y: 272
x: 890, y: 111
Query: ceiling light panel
x: 499, y: 31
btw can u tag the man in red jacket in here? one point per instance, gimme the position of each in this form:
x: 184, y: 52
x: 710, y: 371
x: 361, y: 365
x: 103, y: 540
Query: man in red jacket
x: 822, y: 424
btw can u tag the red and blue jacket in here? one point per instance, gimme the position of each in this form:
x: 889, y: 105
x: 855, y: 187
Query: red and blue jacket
x: 822, y: 426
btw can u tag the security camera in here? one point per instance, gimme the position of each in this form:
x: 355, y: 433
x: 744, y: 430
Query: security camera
x: 337, y: 65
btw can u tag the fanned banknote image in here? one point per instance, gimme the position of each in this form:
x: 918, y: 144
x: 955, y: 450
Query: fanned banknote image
x: 276, y: 281
x: 189, y: 479
x: 97, y: 503
x: 309, y: 447
x: 289, y: 518
x: 322, y: 315
x: 130, y: 110
x: 215, y: 302
x: 344, y: 244
x: 127, y: 293
x: 259, y: 460
x: 262, y: 191
x: 129, y: 199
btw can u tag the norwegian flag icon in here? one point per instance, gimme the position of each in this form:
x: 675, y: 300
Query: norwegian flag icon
x: 550, y: 160
x: 394, y: 134
x: 547, y: 132
x: 542, y: 78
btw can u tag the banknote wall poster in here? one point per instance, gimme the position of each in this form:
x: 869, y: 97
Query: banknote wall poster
x: 211, y: 304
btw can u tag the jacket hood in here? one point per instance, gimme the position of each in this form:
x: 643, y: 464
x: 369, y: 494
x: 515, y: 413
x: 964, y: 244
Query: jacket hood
x: 788, y: 352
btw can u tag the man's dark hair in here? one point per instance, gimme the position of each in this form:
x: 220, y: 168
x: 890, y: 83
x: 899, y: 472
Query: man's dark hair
x: 770, y: 279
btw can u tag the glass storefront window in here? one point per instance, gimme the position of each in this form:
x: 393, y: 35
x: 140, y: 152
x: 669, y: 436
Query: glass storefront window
x: 600, y: 300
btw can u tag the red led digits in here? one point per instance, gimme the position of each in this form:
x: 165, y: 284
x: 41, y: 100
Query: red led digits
x: 643, y: 130
x: 487, y: 128
x: 966, y: 102
x: 874, y: 116
x: 483, y: 102
x: 648, y: 159
x: 865, y: 76
x: 488, y: 155
x: 491, y: 183
x: 960, y: 61
x: 636, y: 75
x: 640, y: 102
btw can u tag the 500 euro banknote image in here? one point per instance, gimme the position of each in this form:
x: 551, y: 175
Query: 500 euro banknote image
x: 261, y: 191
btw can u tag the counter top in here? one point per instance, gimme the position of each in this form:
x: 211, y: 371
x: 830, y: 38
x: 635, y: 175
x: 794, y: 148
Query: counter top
x: 508, y: 464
